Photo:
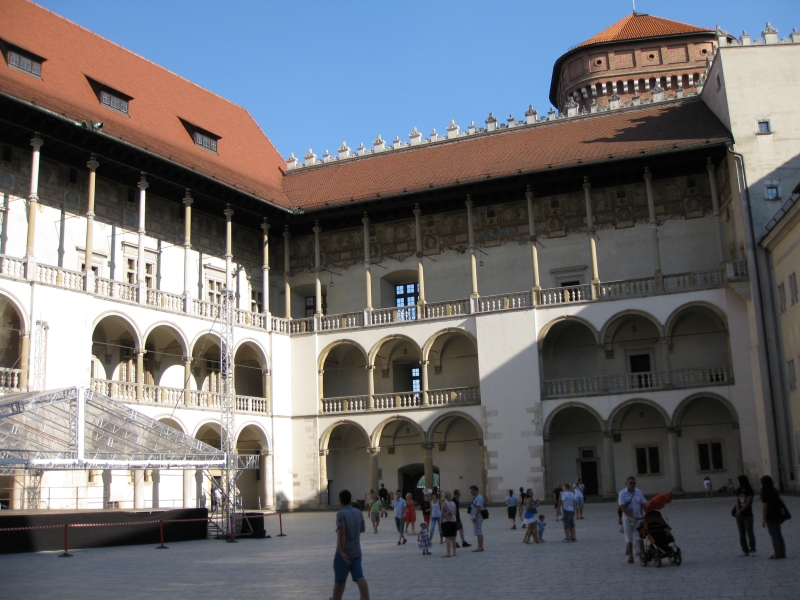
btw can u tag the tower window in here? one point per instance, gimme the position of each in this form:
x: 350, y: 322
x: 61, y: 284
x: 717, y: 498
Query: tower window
x: 114, y: 102
x: 24, y: 63
x: 772, y: 192
x: 764, y: 127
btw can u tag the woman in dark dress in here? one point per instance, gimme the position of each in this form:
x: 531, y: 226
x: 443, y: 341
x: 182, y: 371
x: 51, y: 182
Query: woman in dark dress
x: 771, y: 515
x: 743, y: 511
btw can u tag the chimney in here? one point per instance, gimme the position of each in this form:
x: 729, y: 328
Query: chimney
x: 511, y: 121
x: 613, y: 102
x: 658, y: 93
x: 311, y: 158
x: 745, y: 39
x: 770, y: 34
x: 531, y: 115
x: 637, y: 100
x: 491, y: 123
x: 722, y: 37
x: 397, y: 143
x: 434, y: 135
x: 379, y: 145
x: 344, y: 151
x: 326, y: 157
x: 795, y: 36
x: 291, y: 162
x: 572, y: 108
x: 551, y: 114
x: 415, y: 137
x: 593, y: 106
x: 361, y: 150
x: 472, y: 128
x: 452, y: 130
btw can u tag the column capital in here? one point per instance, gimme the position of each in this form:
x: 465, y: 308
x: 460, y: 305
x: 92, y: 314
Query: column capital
x: 187, y: 359
x: 265, y: 226
x: 90, y: 214
x: 93, y: 164
x: 417, y: 210
x: 529, y: 193
x: 424, y: 363
x: 370, y: 368
x: 710, y: 165
x: 428, y: 446
x: 647, y: 174
x: 365, y: 218
x: 374, y: 450
x: 143, y: 185
x: 228, y: 212
x: 38, y: 142
x: 316, y: 228
x: 587, y: 185
x: 608, y: 434
x: 286, y: 233
x: 468, y: 203
x: 324, y: 452
x: 140, y: 351
x: 187, y: 199
x: 265, y: 453
x: 675, y: 430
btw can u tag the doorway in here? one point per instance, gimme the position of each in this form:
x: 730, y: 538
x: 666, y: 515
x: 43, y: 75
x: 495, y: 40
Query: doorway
x: 589, y: 478
x: 640, y: 365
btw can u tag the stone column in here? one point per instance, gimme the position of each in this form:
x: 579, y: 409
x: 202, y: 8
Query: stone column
x: 187, y: 488
x: 666, y: 362
x: 674, y: 460
x: 423, y: 381
x: 263, y: 491
x: 266, y: 378
x: 187, y: 378
x: 472, y: 258
x: 33, y: 207
x: 187, y: 247
x: 269, y: 477
x: 609, y: 475
x: 265, y: 273
x: 228, y: 247
x: 371, y: 386
x: 737, y: 449
x: 202, y: 502
x: 88, y: 254
x: 587, y: 190
x: 138, y: 488
x: 534, y: 250
x: 373, y: 468
x: 323, y: 478
x: 367, y: 262
x: 286, y: 284
x: 139, y: 374
x: 317, y: 267
x: 140, y: 280
x: 24, y: 365
x: 107, y: 477
x: 427, y: 461
x: 155, y: 476
x: 420, y: 257
x: 548, y: 478
x: 712, y: 180
x: 651, y: 207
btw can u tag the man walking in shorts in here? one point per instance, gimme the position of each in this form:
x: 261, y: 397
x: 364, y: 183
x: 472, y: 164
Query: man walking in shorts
x: 375, y: 511
x: 459, y: 524
x: 477, y: 518
x: 631, y: 503
x: 399, y: 506
x: 347, y: 561
x: 383, y: 494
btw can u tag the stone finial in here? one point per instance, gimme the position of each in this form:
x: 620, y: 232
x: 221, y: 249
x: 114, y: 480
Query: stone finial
x: 472, y: 129
x: 361, y: 150
x: 511, y: 121
x: 379, y: 145
x: 434, y: 135
x: 658, y: 93
x: 491, y: 123
x: 344, y: 151
x: 770, y: 34
x: 795, y: 36
x: 593, y: 106
x: 531, y: 115
x: 746, y: 39
x: 291, y: 162
x: 637, y: 100
x: 415, y: 137
x: 397, y: 143
x: 572, y: 108
x: 551, y: 114
x: 326, y: 157
x: 310, y: 158
x: 613, y: 102
x: 722, y: 36
x: 452, y: 129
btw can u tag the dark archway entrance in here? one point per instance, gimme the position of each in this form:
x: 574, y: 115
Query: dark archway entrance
x: 409, y: 477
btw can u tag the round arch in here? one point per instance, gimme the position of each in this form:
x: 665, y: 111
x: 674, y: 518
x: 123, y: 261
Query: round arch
x: 630, y: 312
x: 253, y: 343
x: 429, y: 435
x: 137, y: 335
x: 17, y: 305
x: 258, y: 427
x: 680, y: 410
x: 677, y: 313
x: 550, y: 324
x: 396, y: 336
x: 426, y: 348
x: 207, y: 333
x: 378, y: 431
x: 618, y: 410
x: 323, y: 355
x: 176, y: 423
x: 551, y: 417
x: 324, y: 439
x: 179, y: 335
x: 210, y: 423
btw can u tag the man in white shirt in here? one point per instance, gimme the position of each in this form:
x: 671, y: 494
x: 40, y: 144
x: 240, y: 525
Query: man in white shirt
x: 399, y: 506
x: 631, y: 503
x: 568, y: 513
x: 477, y: 518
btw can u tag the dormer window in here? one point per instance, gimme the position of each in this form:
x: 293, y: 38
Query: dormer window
x: 206, y: 141
x: 22, y: 60
x: 109, y: 97
x: 114, y: 101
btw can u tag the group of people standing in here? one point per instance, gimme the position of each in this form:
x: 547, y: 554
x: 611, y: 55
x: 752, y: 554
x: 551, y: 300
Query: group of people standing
x: 773, y: 514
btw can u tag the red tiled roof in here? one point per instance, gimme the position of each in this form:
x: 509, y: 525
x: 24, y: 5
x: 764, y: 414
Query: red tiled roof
x: 246, y: 159
x: 636, y: 26
x: 649, y: 129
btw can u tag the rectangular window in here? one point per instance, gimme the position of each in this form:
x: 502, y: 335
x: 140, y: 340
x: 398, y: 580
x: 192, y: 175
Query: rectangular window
x: 256, y: 301
x: 764, y: 127
x: 406, y: 295
x: 791, y: 375
x: 131, y: 272
x: 214, y: 290
x: 114, y: 102
x: 772, y: 192
x: 709, y: 455
x: 415, y: 381
x: 205, y: 141
x: 793, y: 288
x: 781, y: 297
x: 24, y: 63
x: 310, y: 305
x: 648, y: 461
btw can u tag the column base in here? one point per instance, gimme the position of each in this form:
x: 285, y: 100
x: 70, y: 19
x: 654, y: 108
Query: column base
x: 30, y: 267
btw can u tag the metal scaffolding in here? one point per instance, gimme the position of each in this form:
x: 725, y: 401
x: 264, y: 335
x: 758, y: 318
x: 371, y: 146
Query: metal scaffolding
x: 228, y: 410
x: 40, y: 355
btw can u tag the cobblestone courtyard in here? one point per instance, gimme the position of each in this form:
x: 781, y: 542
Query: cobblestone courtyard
x: 299, y: 566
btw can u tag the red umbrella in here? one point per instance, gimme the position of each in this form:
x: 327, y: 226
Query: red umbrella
x: 658, y: 502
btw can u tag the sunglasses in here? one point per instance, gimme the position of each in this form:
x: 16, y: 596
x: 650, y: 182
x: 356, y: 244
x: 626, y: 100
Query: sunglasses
x: 631, y: 482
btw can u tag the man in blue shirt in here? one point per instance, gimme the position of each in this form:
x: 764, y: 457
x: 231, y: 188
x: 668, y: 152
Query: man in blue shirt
x: 399, y: 506
x: 349, y: 527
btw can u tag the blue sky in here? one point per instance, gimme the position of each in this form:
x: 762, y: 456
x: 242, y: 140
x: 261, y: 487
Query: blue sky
x: 316, y: 73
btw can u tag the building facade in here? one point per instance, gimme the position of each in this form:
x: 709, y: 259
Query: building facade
x: 530, y: 302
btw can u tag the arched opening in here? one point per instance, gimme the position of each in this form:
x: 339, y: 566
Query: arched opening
x: 575, y: 447
x: 708, y: 442
x: 114, y: 358
x: 633, y: 353
x: 206, y: 376
x: 167, y: 484
x: 249, y: 371
x: 641, y: 447
x: 457, y: 454
x: 452, y: 369
x: 164, y: 371
x: 345, y: 376
x: 699, y: 347
x: 209, y: 433
x: 397, y: 374
x: 252, y: 489
x: 11, y: 376
x: 401, y: 457
x: 347, y: 463
x: 570, y: 361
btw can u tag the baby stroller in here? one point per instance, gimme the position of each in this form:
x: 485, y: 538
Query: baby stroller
x: 659, y: 542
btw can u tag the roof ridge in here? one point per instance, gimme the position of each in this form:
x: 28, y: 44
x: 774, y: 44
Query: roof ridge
x: 131, y: 52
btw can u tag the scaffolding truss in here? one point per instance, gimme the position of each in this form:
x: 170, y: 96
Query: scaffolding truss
x: 228, y: 411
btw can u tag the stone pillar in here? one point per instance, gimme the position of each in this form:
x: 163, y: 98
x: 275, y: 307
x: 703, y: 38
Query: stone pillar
x: 666, y: 362
x: 534, y: 250
x: 420, y: 257
x: 263, y: 491
x: 107, y: 477
x: 609, y: 475
x: 138, y: 488
x: 139, y: 374
x: 423, y: 381
x: 317, y: 268
x: 24, y: 365
x: 587, y: 190
x: 187, y: 488
x: 367, y: 262
x: 548, y: 477
x: 33, y: 207
x: 15, y: 502
x: 228, y: 247
x: 155, y: 476
x: 472, y: 258
x: 674, y: 460
x: 187, y: 378
x: 265, y: 273
x: 287, y: 286
x: 737, y: 449
x: 651, y: 207
x: 266, y: 378
x: 323, y: 479
x: 371, y: 386
x: 373, y: 468
x: 187, y: 247
x: 269, y: 477
x: 140, y: 280
x: 88, y: 254
x: 202, y: 501
x: 712, y: 180
x: 427, y: 461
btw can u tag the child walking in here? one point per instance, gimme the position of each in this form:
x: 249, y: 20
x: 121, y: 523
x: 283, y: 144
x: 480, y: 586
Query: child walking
x: 423, y: 539
x: 541, y: 524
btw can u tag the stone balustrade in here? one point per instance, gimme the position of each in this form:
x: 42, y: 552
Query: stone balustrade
x: 12, y: 267
x: 505, y: 302
x: 344, y: 321
x: 565, y: 295
x: 435, y: 310
x: 301, y: 325
x: 10, y: 380
x: 117, y: 290
x: 402, y: 400
x: 345, y: 404
x: 165, y: 300
x: 71, y: 280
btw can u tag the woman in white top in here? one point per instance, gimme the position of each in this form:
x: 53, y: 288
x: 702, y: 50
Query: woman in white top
x: 449, y: 524
x: 436, y: 513
x: 511, y: 504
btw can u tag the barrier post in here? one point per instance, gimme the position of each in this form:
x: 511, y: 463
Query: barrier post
x: 66, y: 553
x: 161, y: 531
x: 280, y: 521
x: 233, y: 539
